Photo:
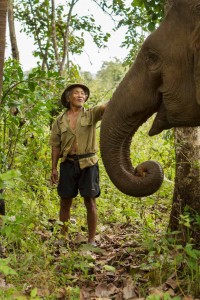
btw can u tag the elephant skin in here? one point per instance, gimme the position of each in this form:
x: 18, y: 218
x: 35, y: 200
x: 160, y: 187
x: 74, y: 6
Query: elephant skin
x: 164, y: 80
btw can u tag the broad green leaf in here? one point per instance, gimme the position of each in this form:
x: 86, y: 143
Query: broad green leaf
x: 5, y: 269
x: 34, y: 293
x: 31, y: 86
x: 109, y: 268
x: 151, y: 26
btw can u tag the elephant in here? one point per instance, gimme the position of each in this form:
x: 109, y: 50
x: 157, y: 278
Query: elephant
x: 163, y: 80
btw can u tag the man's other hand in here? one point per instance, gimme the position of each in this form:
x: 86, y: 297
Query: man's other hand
x: 54, y: 176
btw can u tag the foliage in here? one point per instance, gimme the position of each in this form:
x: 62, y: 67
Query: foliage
x: 110, y: 75
x: 28, y: 101
x: 70, y: 28
x: 8, y: 178
x: 30, y: 228
x: 105, y: 81
x: 140, y: 18
x: 36, y: 263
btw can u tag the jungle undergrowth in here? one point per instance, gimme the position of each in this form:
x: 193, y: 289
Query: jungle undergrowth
x: 37, y: 264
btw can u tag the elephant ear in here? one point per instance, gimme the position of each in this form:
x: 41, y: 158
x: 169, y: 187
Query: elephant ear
x: 197, y: 74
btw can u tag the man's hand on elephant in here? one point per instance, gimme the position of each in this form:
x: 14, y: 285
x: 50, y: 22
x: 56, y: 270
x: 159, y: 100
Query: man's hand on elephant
x: 54, y: 176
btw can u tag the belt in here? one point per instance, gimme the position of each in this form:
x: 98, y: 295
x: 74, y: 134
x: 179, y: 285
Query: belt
x: 79, y: 156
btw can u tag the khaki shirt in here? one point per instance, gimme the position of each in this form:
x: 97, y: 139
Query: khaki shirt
x: 85, y: 135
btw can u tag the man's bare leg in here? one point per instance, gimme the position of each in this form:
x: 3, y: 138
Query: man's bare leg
x: 90, y: 204
x: 64, y: 216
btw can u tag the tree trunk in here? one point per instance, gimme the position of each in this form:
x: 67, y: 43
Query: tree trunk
x: 186, y: 198
x: 13, y: 40
x: 3, y: 12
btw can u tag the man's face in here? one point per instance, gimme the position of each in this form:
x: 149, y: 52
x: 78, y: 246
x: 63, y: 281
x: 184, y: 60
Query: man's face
x: 77, y: 97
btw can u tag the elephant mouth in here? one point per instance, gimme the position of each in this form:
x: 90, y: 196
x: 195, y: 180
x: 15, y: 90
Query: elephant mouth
x: 160, y: 122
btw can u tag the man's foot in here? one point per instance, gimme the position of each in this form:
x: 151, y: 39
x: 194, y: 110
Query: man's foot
x: 92, y: 243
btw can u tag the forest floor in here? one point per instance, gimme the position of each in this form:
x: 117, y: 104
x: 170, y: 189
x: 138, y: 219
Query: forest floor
x: 120, y: 268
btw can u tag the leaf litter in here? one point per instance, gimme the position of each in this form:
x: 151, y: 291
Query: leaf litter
x: 116, y: 269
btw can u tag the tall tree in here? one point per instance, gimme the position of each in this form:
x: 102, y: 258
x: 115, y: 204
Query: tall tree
x: 186, y: 199
x: 13, y: 39
x: 3, y: 12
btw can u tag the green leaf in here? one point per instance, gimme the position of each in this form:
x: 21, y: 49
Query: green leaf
x: 137, y: 3
x: 151, y: 26
x: 23, y: 91
x: 34, y: 293
x: 20, y: 73
x: 10, y: 175
x: 109, y: 268
x: 31, y: 86
x: 5, y: 269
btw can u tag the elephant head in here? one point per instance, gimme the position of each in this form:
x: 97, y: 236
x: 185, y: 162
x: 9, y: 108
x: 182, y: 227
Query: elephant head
x: 164, y: 79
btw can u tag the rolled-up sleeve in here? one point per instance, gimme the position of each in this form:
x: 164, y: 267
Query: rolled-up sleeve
x: 97, y: 113
x: 55, y: 139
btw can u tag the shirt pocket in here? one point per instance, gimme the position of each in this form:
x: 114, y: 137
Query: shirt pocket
x: 86, y: 121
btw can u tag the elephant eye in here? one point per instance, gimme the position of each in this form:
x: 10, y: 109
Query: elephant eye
x: 153, y: 60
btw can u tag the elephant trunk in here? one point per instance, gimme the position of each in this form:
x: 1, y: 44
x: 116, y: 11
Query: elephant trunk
x: 126, y: 111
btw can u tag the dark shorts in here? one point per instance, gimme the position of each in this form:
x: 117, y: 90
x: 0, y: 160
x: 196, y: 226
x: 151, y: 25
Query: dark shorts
x: 73, y: 179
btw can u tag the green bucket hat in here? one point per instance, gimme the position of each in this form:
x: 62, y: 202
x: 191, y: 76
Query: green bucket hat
x: 70, y: 87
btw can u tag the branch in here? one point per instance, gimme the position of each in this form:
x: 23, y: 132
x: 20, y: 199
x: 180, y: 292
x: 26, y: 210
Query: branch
x: 66, y: 36
x: 54, y: 37
x: 106, y: 12
x: 37, y: 35
x: 8, y: 90
x: 3, y: 12
x: 13, y: 40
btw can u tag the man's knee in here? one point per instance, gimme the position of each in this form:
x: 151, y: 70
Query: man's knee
x: 90, y: 203
x: 65, y: 203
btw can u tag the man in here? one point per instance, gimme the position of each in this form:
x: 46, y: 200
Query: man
x: 73, y: 139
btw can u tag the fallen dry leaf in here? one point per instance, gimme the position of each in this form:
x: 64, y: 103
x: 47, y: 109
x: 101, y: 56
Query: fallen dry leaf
x: 129, y: 289
x: 189, y: 297
x: 172, y: 283
x: 2, y: 283
x: 105, y: 290
x: 156, y: 291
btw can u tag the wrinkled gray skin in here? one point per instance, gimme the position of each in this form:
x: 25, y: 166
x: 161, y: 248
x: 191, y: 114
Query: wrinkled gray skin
x: 164, y: 79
